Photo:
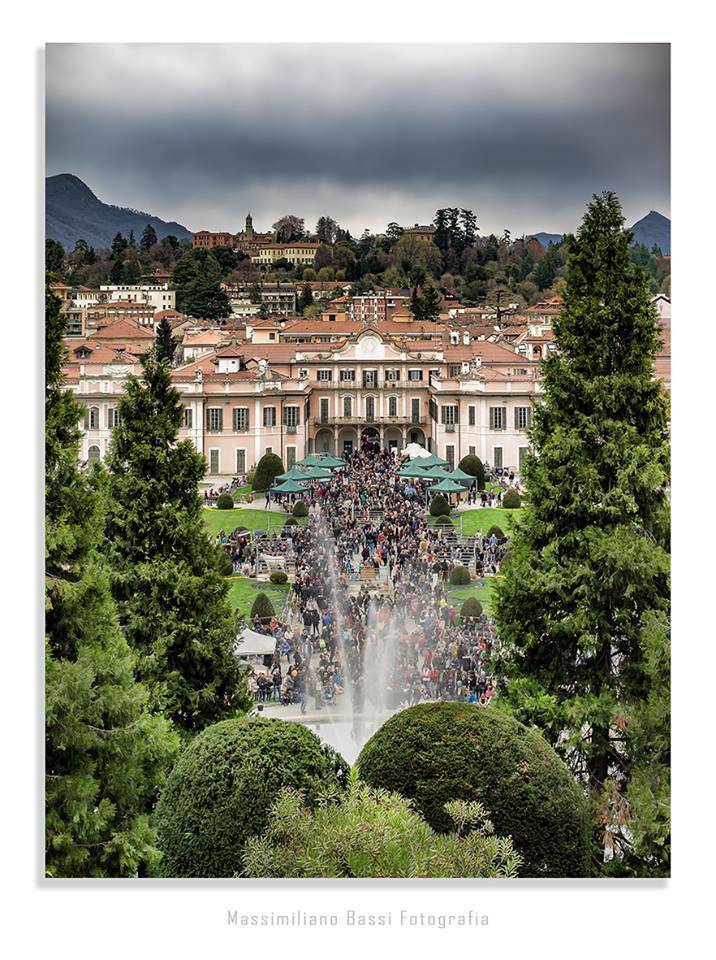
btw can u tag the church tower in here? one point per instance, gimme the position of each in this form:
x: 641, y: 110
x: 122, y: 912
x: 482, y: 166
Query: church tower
x: 249, y: 228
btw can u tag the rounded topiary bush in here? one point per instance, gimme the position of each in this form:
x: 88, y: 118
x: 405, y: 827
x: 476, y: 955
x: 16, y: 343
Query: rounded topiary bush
x: 497, y: 531
x: 278, y: 576
x: 511, y: 500
x: 291, y: 522
x: 459, y: 576
x: 267, y: 469
x: 222, y: 787
x: 473, y: 465
x: 224, y: 502
x: 300, y: 509
x: 443, y: 521
x: 471, y: 608
x: 439, y: 507
x: 436, y: 752
x: 225, y: 563
x: 262, y: 607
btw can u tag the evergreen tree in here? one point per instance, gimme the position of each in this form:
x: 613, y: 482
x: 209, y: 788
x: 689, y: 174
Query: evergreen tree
x: 131, y: 242
x: 197, y: 278
x: 468, y: 223
x: 54, y: 258
x: 431, y: 303
x: 172, y: 597
x: 119, y: 245
x: 131, y: 271
x: 441, y: 237
x: 116, y: 274
x: 105, y: 754
x: 166, y: 344
x: 416, y: 304
x: 148, y: 238
x: 306, y: 299
x: 588, y: 570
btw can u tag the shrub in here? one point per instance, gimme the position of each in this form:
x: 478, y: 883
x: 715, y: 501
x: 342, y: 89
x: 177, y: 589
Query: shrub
x: 497, y: 531
x: 511, y: 500
x: 438, y: 752
x: 459, y: 576
x: 443, y: 521
x: 224, y: 561
x: 224, y: 502
x: 291, y: 522
x: 262, y: 607
x: 222, y: 787
x: 471, y: 608
x: 300, y: 509
x: 439, y: 507
x: 371, y: 833
x: 473, y: 465
x: 267, y: 469
x: 278, y: 576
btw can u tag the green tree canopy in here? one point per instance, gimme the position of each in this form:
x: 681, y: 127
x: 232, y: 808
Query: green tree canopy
x: 105, y: 753
x: 589, y: 560
x: 171, y: 594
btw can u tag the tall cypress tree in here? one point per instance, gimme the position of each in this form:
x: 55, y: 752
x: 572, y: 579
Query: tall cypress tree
x: 166, y: 343
x: 589, y: 566
x: 105, y: 754
x: 172, y: 597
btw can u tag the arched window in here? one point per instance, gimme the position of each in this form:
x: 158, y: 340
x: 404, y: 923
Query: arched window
x: 347, y: 406
x: 93, y: 454
x: 370, y: 408
x: 93, y: 418
x: 392, y: 406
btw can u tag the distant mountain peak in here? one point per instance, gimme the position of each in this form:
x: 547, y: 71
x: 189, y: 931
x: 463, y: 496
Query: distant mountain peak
x: 73, y: 212
x: 653, y: 230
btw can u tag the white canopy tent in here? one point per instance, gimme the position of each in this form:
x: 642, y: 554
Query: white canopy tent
x: 414, y: 450
x: 252, y: 644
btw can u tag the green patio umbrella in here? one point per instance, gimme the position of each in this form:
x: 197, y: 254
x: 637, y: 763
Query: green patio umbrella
x: 289, y: 486
x: 293, y: 474
x: 447, y: 486
x: 461, y: 477
x: 312, y: 460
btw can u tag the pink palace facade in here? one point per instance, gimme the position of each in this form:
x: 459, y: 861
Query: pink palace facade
x: 455, y: 395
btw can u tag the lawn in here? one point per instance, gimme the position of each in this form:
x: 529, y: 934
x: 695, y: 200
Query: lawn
x: 483, y: 518
x: 243, y: 592
x: 229, y: 520
x: 458, y: 595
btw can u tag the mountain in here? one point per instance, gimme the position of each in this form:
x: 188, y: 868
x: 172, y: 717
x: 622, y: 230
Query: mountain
x: 73, y: 212
x: 546, y: 238
x: 653, y: 229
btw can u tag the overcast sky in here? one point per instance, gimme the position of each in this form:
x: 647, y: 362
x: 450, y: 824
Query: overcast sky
x: 522, y: 134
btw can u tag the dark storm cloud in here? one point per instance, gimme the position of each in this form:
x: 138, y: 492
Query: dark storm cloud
x: 524, y: 134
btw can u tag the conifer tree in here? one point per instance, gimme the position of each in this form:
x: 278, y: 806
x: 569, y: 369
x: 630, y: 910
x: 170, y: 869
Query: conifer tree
x: 588, y: 570
x: 171, y: 594
x: 166, y: 344
x: 105, y: 754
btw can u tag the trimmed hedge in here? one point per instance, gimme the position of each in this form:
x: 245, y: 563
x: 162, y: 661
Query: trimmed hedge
x: 439, y: 507
x: 436, y: 752
x: 278, y: 576
x: 497, y: 531
x: 224, y: 562
x: 473, y: 465
x: 222, y: 787
x: 459, y: 576
x: 471, y: 608
x: 224, y: 502
x: 291, y: 522
x: 443, y: 521
x: 300, y: 509
x: 511, y: 500
x: 267, y: 469
x: 262, y: 607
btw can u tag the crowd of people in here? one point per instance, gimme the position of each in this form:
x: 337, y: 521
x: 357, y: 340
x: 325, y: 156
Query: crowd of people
x: 369, y: 614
